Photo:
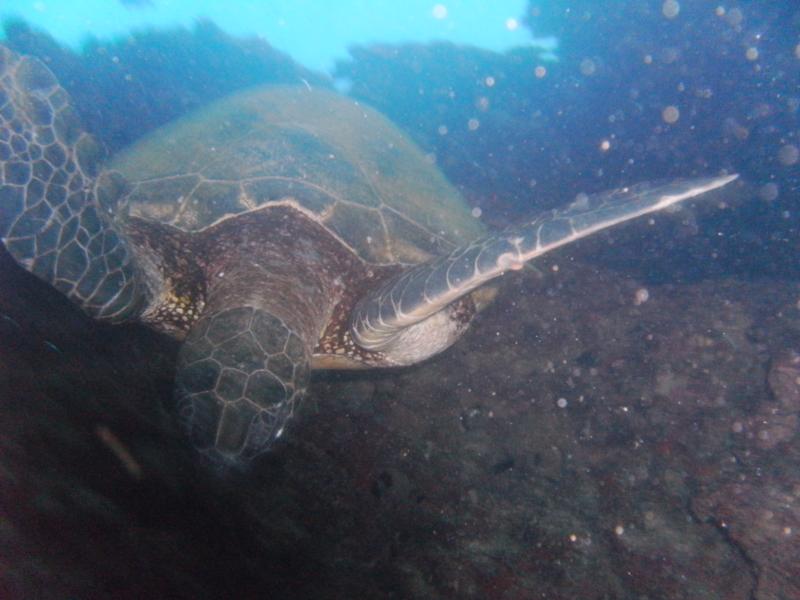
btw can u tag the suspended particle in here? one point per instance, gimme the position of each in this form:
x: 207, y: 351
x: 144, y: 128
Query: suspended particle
x: 477, y: 212
x: 540, y: 71
x: 439, y: 11
x: 489, y: 81
x: 473, y: 124
x: 670, y: 9
x: 751, y: 53
x: 512, y: 24
x: 670, y: 114
x: 788, y: 155
x: 669, y: 55
x: 735, y: 17
x: 605, y: 145
x: 442, y: 130
x: 768, y: 192
x: 588, y: 67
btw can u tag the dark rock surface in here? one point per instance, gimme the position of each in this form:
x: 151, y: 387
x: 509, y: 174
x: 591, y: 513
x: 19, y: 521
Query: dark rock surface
x: 575, y: 444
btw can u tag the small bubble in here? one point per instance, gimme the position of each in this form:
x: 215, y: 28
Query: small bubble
x: 669, y: 55
x: 735, y: 17
x: 588, y: 67
x: 512, y: 24
x: 788, y: 155
x: 489, y: 81
x: 540, y: 71
x: 751, y: 53
x: 561, y: 403
x: 439, y: 11
x: 473, y: 124
x: 477, y: 212
x: 733, y: 127
x: 670, y: 9
x: 670, y: 114
x: 768, y: 192
x: 605, y: 145
x: 619, y: 530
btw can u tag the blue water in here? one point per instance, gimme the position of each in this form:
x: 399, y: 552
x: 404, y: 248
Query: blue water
x: 314, y: 32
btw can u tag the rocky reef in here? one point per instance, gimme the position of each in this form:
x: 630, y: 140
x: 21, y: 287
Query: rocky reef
x: 125, y: 87
x: 578, y: 441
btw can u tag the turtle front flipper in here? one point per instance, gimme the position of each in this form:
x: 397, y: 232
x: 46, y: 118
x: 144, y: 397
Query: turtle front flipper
x: 50, y: 221
x: 406, y: 319
x: 240, y: 372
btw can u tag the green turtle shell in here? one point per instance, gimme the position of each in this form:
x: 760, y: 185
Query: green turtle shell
x: 357, y: 173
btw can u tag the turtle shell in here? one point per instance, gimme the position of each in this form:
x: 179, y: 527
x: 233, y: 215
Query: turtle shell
x: 349, y: 166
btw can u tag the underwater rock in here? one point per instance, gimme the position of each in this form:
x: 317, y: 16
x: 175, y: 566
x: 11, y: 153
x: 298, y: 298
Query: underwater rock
x: 462, y: 478
x: 784, y: 381
x: 762, y: 516
x: 129, y: 86
x: 519, y: 132
x: 778, y: 420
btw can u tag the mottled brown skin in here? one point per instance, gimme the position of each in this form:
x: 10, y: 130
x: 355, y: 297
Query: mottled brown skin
x: 303, y: 275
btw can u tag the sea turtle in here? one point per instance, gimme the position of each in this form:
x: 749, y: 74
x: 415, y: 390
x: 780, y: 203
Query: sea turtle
x: 276, y: 231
